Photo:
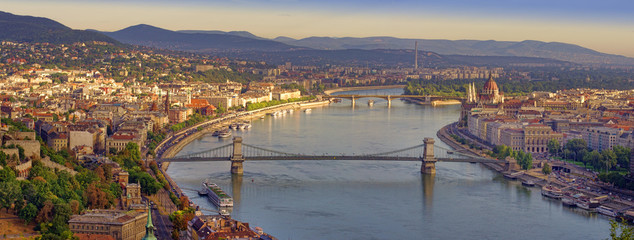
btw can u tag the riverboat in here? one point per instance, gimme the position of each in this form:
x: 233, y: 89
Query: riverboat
x: 607, y: 211
x: 246, y: 125
x: 224, y: 134
x: 568, y: 201
x: 528, y: 183
x: 233, y: 126
x: 215, y: 133
x: 551, y: 192
x: 216, y: 195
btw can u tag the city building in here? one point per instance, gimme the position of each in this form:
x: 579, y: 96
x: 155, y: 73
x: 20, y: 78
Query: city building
x: 122, y: 225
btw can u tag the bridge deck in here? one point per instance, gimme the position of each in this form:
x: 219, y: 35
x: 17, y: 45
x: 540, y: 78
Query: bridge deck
x: 331, y: 158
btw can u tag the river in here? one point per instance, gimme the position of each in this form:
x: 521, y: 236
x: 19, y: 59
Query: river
x: 376, y: 200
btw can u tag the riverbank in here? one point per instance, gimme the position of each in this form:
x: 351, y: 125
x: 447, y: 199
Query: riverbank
x: 343, y: 89
x: 221, y: 123
x: 536, y: 176
x: 433, y: 103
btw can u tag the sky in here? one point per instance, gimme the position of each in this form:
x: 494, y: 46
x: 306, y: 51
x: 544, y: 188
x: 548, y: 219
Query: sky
x: 603, y: 25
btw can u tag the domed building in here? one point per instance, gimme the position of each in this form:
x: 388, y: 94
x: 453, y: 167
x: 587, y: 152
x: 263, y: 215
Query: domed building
x: 491, y: 93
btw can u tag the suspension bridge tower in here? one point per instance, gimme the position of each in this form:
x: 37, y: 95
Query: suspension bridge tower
x: 428, y: 165
x: 236, y: 158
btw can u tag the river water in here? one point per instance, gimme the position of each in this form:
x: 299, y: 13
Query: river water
x: 376, y: 200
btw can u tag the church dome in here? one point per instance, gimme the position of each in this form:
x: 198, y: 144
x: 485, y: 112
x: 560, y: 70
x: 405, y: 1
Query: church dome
x: 490, y: 85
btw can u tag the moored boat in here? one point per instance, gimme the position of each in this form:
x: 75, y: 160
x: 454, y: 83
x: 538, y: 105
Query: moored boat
x: 568, y: 201
x: 224, y: 134
x: 370, y: 102
x: 308, y: 110
x: 528, y: 183
x: 607, y: 211
x: 215, y: 133
x: 216, y: 195
x: 551, y: 192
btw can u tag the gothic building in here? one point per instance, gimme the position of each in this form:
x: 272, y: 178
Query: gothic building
x: 489, y: 99
x: 490, y: 94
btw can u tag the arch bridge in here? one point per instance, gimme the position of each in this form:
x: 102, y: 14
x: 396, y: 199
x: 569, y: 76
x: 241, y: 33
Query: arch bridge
x: 239, y: 152
x: 427, y: 99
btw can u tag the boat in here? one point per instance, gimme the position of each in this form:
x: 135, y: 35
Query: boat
x: 528, y: 183
x: 242, y: 126
x: 224, y: 134
x: 607, y: 211
x: 247, y: 125
x: 215, y: 133
x: 551, y: 192
x: 290, y: 110
x: 216, y: 195
x: 583, y: 204
x: 233, y: 126
x: 568, y: 201
x: 370, y: 102
x: 308, y: 110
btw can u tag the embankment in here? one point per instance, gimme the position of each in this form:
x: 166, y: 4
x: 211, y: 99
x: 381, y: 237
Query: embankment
x: 225, y: 121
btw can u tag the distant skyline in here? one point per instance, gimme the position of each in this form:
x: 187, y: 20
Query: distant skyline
x: 606, y: 26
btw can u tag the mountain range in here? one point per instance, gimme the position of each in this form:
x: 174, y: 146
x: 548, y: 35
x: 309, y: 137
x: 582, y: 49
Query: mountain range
x: 196, y: 41
x: 528, y: 48
x: 36, y: 29
x: 240, y: 43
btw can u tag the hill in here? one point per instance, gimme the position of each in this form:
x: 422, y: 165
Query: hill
x: 528, y: 48
x: 388, y: 58
x: 18, y: 28
x: 199, y: 41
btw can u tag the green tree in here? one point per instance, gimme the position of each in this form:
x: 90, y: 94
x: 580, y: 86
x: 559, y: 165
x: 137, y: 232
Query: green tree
x: 546, y: 169
x: 553, y: 147
x: 622, y: 156
x: 9, y: 193
x: 620, y: 231
x: 28, y: 213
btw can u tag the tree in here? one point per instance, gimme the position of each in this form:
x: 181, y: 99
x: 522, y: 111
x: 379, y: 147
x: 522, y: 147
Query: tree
x: 576, y: 145
x: 546, y: 169
x: 553, y: 146
x: 28, y: 213
x: 622, y: 156
x: 9, y: 193
x: 620, y: 231
x: 95, y: 198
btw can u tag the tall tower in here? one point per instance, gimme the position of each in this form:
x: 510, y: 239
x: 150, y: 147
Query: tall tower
x: 416, y: 55
x: 167, y: 102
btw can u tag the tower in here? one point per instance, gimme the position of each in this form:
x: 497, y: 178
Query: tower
x: 416, y: 55
x: 167, y: 102
x: 149, y: 227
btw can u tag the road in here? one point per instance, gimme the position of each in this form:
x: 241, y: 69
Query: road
x: 162, y: 224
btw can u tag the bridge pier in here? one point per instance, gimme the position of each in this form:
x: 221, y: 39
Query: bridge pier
x: 428, y: 165
x: 352, y: 100
x: 236, y: 158
x: 389, y: 101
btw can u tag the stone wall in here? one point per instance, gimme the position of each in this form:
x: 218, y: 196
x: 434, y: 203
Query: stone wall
x: 31, y: 147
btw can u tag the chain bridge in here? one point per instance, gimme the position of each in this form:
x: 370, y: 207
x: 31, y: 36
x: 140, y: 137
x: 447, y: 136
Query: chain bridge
x: 238, y: 152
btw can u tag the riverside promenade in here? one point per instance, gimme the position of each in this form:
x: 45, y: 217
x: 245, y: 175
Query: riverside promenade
x: 617, y: 200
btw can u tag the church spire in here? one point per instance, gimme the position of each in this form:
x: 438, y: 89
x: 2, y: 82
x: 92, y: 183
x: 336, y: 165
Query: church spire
x: 149, y: 227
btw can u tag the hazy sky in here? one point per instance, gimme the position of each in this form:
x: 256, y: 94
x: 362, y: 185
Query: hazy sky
x: 603, y: 25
